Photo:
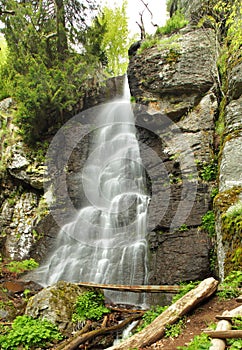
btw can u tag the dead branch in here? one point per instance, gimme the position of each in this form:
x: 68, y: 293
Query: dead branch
x: 65, y: 343
x: 73, y: 344
x: 6, y: 12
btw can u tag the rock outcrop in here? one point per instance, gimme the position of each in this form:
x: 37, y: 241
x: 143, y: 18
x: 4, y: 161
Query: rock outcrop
x: 228, y: 203
x: 177, y: 84
x: 56, y: 304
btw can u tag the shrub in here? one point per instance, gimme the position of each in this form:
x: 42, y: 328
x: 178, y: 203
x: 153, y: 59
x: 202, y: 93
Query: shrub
x: 21, y: 266
x: 199, y: 342
x: 208, y: 223
x: 150, y: 315
x: 89, y: 305
x: 230, y: 286
x: 28, y: 333
x: 176, y: 22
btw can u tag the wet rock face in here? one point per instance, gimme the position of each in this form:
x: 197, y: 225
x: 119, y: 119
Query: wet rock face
x: 183, y: 252
x: 176, y: 135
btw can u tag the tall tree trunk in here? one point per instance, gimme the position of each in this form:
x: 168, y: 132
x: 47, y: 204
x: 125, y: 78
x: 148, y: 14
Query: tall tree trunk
x: 62, y: 45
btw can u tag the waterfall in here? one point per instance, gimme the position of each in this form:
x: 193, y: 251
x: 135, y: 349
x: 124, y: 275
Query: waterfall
x: 106, y: 241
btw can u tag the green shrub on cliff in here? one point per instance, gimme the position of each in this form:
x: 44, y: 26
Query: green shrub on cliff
x: 173, y: 24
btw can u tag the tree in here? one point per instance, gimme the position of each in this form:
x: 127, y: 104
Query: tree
x: 45, y: 23
x: 44, y: 71
x: 115, y: 41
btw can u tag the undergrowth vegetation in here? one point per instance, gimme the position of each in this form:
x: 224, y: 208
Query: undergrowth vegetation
x: 28, y: 333
x: 89, y: 306
x: 155, y: 311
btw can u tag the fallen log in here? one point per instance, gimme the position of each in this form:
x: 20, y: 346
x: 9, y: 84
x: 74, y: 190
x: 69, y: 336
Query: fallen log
x: 66, y: 342
x: 72, y: 345
x: 224, y: 325
x: 136, y: 289
x: 226, y: 318
x: 156, y: 329
x: 224, y: 334
x: 128, y: 311
x: 230, y: 315
x: 220, y: 344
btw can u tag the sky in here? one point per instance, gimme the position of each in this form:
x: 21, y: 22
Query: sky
x: 157, y: 7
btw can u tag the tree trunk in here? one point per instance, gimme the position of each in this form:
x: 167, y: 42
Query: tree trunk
x: 225, y: 334
x: 156, y: 329
x: 220, y: 344
x: 137, y: 289
x: 62, y: 45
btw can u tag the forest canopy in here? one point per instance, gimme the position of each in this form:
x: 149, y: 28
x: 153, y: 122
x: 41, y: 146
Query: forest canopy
x: 54, y: 49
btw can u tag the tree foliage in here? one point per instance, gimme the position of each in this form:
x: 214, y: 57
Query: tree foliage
x: 53, y: 53
x: 115, y: 39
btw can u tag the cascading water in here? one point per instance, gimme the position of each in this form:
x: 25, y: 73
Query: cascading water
x: 106, y: 242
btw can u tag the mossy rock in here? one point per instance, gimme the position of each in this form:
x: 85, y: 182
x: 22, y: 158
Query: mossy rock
x: 56, y: 304
x: 225, y: 199
x: 231, y: 227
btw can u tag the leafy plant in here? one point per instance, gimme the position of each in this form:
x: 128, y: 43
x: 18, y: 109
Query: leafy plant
x: 209, y: 171
x: 21, y: 266
x: 174, y: 330
x: 235, y: 344
x: 29, y: 333
x: 176, y: 22
x: 185, y: 288
x: 150, y: 315
x: 214, y: 192
x: 230, y: 286
x: 169, y: 44
x: 199, y: 342
x: 208, y: 223
x: 183, y: 227
x: 89, y: 305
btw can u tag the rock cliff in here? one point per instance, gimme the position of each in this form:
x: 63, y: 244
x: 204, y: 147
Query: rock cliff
x: 177, y: 80
x: 193, y: 171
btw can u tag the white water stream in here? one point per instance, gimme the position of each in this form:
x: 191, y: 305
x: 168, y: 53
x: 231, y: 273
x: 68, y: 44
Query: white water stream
x: 106, y: 242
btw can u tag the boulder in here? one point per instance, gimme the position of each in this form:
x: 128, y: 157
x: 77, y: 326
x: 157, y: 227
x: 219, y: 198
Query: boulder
x: 56, y: 304
x: 174, y: 76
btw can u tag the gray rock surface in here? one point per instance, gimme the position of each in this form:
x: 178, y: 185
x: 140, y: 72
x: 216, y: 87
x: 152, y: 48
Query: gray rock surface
x: 56, y: 304
x: 176, y: 135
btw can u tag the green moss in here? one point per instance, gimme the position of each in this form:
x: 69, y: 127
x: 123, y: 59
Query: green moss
x: 230, y: 208
x: 166, y: 43
x: 172, y: 56
x: 225, y: 199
